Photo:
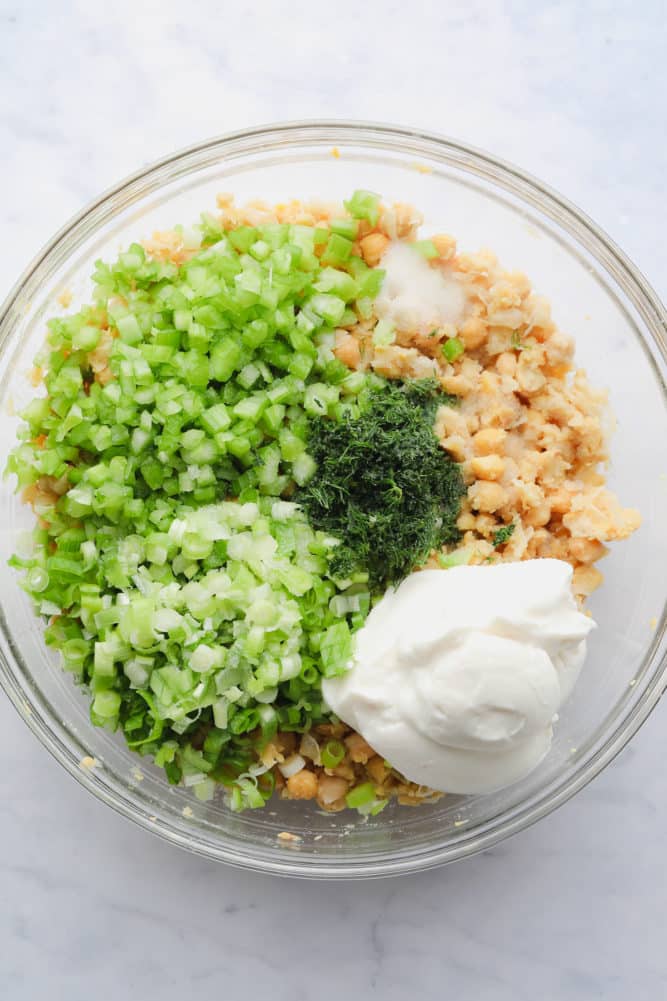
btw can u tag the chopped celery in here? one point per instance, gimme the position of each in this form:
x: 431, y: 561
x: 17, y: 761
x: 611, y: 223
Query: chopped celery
x: 426, y: 248
x: 364, y: 205
x: 384, y: 332
x: 337, y: 250
x: 453, y: 349
x: 345, y: 227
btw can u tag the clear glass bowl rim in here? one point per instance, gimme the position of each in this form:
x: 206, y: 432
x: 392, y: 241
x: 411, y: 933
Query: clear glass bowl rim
x: 526, y: 188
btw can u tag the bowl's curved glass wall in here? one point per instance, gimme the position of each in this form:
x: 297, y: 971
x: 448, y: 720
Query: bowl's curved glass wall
x: 619, y: 330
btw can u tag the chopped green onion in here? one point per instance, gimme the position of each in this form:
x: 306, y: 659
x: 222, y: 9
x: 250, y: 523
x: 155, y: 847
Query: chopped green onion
x: 200, y: 625
x: 332, y: 753
x: 336, y: 649
x: 360, y: 795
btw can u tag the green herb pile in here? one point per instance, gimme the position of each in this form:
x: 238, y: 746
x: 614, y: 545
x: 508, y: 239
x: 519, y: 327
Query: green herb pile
x: 183, y: 586
x: 383, y: 484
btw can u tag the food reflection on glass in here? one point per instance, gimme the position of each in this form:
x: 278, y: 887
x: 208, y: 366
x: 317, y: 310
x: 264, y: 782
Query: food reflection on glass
x: 318, y: 504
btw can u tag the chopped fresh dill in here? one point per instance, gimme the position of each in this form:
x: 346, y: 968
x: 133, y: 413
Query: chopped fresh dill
x: 503, y: 535
x: 383, y: 483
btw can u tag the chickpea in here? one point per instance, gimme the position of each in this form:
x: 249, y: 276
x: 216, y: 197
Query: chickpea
x: 506, y: 363
x: 540, y: 544
x: 449, y: 421
x: 487, y: 467
x: 587, y: 550
x: 465, y: 521
x: 486, y: 496
x: 409, y: 799
x: 456, y: 447
x: 373, y: 247
x: 358, y: 749
x: 489, y: 382
x: 270, y: 755
x: 343, y: 771
x: 489, y: 440
x: 482, y: 550
x: 407, y: 219
x: 530, y: 378
x: 332, y: 731
x: 485, y: 524
x: 336, y: 806
x: 347, y: 350
x: 520, y: 283
x: 303, y: 785
x: 585, y: 580
x: 538, y: 515
x: 445, y: 245
x: 560, y: 501
x: 377, y: 769
x: 330, y: 789
x: 473, y: 333
x: 459, y: 385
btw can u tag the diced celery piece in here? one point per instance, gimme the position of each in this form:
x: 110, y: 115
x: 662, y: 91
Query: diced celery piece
x: 426, y: 248
x: 364, y: 205
x: 329, y: 307
x: 86, y: 338
x: 345, y: 227
x: 225, y: 357
x: 453, y: 349
x: 337, y: 250
x: 250, y: 408
x: 384, y: 332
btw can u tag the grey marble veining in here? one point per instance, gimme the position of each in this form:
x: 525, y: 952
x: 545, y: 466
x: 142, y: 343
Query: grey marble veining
x: 90, y: 906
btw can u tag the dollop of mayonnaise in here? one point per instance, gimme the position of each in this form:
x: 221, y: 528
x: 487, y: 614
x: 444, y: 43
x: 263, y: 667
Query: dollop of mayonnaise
x: 414, y: 296
x: 457, y: 675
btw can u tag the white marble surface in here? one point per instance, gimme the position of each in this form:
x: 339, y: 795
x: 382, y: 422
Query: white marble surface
x: 92, y: 907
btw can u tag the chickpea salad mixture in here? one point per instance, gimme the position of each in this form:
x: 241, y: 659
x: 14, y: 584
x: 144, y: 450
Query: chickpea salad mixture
x: 256, y: 428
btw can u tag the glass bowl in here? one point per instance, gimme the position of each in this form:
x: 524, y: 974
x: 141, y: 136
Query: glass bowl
x: 619, y: 326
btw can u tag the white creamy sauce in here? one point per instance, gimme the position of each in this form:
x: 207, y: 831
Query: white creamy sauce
x: 415, y: 296
x: 458, y: 674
